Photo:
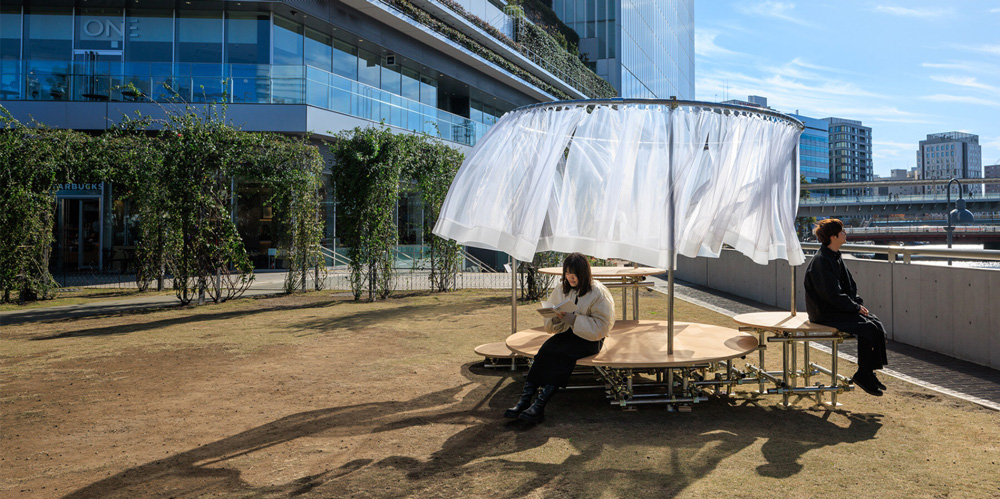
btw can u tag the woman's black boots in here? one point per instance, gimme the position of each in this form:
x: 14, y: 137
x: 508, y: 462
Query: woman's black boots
x: 526, y: 395
x: 536, y: 413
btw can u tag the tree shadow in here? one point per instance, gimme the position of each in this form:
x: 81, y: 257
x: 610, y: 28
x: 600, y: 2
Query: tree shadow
x: 194, y: 318
x: 591, y: 442
x: 423, y: 312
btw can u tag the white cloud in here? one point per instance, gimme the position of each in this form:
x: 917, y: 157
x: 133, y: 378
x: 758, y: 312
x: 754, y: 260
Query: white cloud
x: 777, y: 10
x: 960, y: 66
x: 995, y: 11
x: 966, y: 81
x: 960, y: 99
x: 704, y: 45
x: 985, y: 49
x: 908, y: 12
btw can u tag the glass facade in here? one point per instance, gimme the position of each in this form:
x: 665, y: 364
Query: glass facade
x: 240, y: 56
x: 645, y: 49
x: 235, y: 53
x: 814, y: 149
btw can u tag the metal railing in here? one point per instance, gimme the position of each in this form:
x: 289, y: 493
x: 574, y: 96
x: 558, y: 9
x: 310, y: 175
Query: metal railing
x: 236, y: 84
x: 907, y: 252
x: 925, y: 229
x: 816, y: 199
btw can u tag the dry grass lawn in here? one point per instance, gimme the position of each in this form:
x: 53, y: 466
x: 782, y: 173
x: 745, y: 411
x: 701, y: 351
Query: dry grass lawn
x: 318, y: 396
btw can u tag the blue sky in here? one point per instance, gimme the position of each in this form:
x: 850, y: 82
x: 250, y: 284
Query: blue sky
x: 906, y: 68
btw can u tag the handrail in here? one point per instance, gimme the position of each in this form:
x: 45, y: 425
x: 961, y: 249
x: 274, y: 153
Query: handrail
x: 922, y: 229
x: 477, y: 261
x: 909, y: 251
x: 333, y: 255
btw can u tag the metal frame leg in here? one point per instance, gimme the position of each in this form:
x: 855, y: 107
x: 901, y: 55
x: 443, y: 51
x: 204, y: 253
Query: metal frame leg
x: 624, y: 303
x: 761, y: 346
x: 784, y: 371
x: 833, y: 373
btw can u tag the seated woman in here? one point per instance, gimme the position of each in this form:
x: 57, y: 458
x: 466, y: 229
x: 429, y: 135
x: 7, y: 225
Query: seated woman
x: 575, y: 335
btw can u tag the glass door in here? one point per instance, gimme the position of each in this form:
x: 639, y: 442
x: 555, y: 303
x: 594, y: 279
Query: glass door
x: 79, y: 236
x: 97, y: 74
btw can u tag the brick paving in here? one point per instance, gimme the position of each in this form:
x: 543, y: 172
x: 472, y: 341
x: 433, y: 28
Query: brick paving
x: 941, y: 373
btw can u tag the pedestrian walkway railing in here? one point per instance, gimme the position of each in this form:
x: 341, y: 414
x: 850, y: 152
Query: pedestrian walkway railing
x: 894, y: 253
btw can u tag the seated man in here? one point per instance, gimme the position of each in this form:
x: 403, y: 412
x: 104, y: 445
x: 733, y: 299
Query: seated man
x: 832, y: 300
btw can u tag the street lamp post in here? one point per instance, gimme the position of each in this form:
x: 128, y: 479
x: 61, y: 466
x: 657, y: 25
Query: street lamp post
x: 959, y: 215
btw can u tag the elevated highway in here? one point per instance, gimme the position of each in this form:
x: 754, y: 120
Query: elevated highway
x: 820, y: 204
x: 842, y: 206
x: 987, y: 235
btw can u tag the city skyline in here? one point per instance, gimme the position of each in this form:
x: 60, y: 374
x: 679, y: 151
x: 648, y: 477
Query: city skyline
x: 904, y: 69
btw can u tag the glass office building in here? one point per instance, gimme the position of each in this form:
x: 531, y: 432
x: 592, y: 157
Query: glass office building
x: 282, y: 66
x: 645, y: 49
x: 814, y: 149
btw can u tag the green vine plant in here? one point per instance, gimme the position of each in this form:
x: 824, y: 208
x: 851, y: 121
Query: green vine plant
x: 187, y: 224
x: 433, y: 166
x: 35, y: 160
x: 366, y: 180
x: 535, y: 285
x: 373, y: 166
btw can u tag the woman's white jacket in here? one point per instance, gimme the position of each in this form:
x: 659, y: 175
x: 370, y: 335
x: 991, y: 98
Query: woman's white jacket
x: 595, y: 312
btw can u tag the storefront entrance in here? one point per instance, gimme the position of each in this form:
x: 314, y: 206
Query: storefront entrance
x: 78, y: 234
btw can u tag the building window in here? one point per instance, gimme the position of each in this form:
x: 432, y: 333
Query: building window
x: 287, y: 42
x: 199, y: 37
x: 150, y: 36
x: 247, y: 38
x: 318, y: 50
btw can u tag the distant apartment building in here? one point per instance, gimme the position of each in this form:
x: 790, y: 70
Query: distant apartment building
x: 992, y: 171
x: 850, y: 151
x: 950, y: 155
x: 645, y: 49
x: 752, y: 101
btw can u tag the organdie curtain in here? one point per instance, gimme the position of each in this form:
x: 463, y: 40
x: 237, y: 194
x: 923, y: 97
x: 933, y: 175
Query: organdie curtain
x: 599, y: 179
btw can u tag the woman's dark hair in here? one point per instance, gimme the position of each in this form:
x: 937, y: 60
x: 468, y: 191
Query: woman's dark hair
x: 578, y: 265
x: 826, y: 229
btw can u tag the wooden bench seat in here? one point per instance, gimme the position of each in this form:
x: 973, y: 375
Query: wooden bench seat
x: 643, y: 344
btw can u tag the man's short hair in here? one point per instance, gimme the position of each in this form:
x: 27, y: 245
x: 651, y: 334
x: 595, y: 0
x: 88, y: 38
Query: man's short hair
x: 827, y: 229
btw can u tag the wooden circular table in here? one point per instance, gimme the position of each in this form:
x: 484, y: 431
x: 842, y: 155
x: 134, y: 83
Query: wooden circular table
x: 791, y: 329
x: 641, y: 344
x: 623, y: 277
x: 495, y: 351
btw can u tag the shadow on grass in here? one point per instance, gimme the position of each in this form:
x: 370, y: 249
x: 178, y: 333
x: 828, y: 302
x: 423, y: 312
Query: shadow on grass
x: 198, y: 314
x: 604, y: 451
x: 428, y: 311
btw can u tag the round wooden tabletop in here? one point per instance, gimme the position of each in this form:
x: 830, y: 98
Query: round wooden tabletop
x: 638, y: 344
x: 498, y: 350
x: 601, y: 272
x: 782, y: 321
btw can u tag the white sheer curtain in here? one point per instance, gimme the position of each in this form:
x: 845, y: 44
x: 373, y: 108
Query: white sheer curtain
x: 599, y: 179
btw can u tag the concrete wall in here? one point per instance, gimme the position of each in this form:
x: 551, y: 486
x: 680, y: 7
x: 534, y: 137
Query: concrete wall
x: 949, y: 310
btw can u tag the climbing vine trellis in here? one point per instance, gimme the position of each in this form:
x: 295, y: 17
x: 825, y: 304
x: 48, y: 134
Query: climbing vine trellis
x: 371, y: 166
x: 180, y: 177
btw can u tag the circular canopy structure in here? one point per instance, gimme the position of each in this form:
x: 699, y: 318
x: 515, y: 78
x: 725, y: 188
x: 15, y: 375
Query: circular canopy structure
x: 632, y: 179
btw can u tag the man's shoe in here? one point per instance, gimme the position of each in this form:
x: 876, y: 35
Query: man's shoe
x: 524, y: 402
x: 866, y: 382
x: 877, y: 382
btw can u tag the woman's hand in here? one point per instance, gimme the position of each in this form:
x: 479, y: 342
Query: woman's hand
x: 560, y: 315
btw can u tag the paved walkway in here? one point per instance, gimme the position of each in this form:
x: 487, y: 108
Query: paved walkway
x: 935, y: 371
x: 931, y: 370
